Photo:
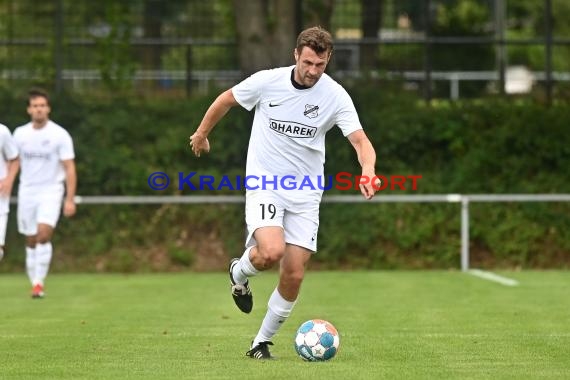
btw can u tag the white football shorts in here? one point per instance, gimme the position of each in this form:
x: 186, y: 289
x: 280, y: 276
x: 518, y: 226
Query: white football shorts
x: 299, y: 219
x: 3, y: 225
x: 4, y: 210
x: 4, y: 205
x: 42, y: 208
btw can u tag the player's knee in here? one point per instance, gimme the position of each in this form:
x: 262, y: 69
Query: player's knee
x: 271, y: 254
x: 293, y: 278
x: 43, y: 238
x: 44, y: 235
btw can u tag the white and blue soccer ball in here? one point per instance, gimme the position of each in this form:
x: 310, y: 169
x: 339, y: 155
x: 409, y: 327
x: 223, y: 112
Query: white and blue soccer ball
x: 317, y: 340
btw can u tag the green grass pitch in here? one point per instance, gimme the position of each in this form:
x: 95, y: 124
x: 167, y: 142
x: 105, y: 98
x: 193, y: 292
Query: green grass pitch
x: 392, y: 324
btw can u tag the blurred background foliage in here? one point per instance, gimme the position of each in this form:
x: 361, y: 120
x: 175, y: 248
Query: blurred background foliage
x: 126, y: 128
x: 489, y: 146
x: 179, y: 47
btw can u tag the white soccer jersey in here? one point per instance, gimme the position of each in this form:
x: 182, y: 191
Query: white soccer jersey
x: 9, y: 150
x: 41, y: 153
x: 290, y: 124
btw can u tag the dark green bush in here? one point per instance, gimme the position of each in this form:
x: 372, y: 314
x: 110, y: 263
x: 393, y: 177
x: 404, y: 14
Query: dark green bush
x: 484, y: 146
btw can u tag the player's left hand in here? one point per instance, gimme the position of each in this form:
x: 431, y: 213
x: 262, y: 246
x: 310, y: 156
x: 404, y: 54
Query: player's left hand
x: 199, y: 144
x: 69, y: 208
x: 367, y: 187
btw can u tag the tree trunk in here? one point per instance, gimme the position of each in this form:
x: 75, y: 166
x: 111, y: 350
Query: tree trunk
x: 371, y: 22
x: 152, y: 26
x: 283, y: 36
x: 319, y: 13
x: 266, y: 33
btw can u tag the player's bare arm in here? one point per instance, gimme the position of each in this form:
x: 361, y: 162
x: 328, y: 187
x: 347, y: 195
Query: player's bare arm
x: 199, y: 140
x: 7, y: 183
x: 69, y: 207
x: 367, y: 160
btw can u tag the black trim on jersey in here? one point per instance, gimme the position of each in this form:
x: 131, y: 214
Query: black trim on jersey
x: 295, y: 84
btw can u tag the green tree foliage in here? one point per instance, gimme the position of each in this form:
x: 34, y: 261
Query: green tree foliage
x: 116, y: 64
x: 526, y: 19
x: 465, y: 18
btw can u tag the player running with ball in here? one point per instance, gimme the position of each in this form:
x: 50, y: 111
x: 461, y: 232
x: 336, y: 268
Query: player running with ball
x: 295, y: 107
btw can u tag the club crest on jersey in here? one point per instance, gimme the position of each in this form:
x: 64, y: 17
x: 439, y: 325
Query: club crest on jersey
x: 292, y: 129
x: 311, y: 111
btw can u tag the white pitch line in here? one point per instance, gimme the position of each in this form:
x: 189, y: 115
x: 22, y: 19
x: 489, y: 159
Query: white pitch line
x: 493, y: 277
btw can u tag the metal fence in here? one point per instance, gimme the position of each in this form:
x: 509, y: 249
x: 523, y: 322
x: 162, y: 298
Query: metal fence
x: 69, y: 44
x: 464, y: 199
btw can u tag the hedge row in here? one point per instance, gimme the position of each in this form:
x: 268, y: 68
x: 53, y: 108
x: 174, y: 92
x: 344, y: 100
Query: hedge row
x: 483, y: 146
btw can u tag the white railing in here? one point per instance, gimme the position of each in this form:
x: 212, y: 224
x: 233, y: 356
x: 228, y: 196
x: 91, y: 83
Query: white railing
x: 228, y: 77
x: 463, y: 199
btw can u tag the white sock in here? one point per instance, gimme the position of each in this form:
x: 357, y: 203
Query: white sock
x: 244, y: 268
x: 31, y: 263
x: 278, y: 309
x: 43, y: 259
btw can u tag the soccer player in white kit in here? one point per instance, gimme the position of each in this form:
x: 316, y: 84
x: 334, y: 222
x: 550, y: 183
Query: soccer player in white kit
x: 8, y: 171
x: 47, y: 162
x: 294, y: 109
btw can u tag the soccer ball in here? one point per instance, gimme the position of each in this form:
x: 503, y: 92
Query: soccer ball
x: 317, y: 340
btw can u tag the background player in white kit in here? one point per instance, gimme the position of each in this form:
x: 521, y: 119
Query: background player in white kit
x: 8, y: 171
x: 294, y: 108
x: 47, y: 161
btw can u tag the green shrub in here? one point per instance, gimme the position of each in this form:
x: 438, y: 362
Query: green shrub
x: 483, y: 146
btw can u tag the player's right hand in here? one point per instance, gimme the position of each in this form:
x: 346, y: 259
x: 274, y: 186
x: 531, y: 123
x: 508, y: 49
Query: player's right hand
x: 5, y: 188
x: 199, y: 144
x: 69, y: 208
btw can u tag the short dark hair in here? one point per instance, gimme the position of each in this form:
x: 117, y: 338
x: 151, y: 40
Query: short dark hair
x: 316, y: 38
x: 37, y: 93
